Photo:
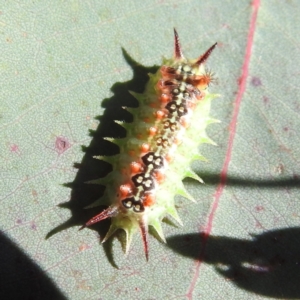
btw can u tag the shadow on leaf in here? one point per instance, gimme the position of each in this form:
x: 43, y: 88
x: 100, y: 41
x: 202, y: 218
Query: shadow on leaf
x: 268, y: 264
x: 21, y: 277
x: 83, y: 194
x: 281, y: 182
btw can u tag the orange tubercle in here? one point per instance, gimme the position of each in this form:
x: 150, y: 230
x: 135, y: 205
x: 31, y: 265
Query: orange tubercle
x: 164, y: 98
x: 169, y: 158
x: 125, y: 190
x: 159, y: 176
x: 184, y: 122
x: 152, y: 130
x: 145, y: 147
x: 159, y: 114
x: 200, y: 81
x: 203, y: 83
x: 135, y: 167
x: 149, y: 200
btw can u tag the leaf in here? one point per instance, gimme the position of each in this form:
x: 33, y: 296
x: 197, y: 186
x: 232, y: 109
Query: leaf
x: 59, y: 62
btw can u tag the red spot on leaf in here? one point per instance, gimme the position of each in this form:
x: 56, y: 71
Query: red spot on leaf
x: 14, y: 148
x: 33, y: 226
x: 259, y: 208
x: 255, y: 81
x: 61, y: 144
x: 266, y: 100
x: 84, y: 247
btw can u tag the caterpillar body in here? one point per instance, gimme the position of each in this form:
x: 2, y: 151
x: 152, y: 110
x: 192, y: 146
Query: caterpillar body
x: 160, y: 145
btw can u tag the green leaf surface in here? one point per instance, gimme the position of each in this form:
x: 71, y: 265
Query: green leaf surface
x: 62, y: 67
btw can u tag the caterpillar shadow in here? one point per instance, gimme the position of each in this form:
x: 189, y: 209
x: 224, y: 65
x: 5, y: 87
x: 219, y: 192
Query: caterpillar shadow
x: 83, y: 194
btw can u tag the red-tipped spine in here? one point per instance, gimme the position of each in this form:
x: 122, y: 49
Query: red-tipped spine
x: 177, y: 48
x: 144, y: 232
x: 107, y: 213
x: 203, y: 58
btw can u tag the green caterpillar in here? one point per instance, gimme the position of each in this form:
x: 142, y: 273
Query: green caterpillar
x: 161, y: 143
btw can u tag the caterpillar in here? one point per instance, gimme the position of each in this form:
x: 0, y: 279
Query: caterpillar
x: 160, y: 145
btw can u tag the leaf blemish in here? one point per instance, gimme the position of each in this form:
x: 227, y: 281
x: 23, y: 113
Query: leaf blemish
x: 14, y: 148
x: 61, y: 144
x: 255, y: 81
